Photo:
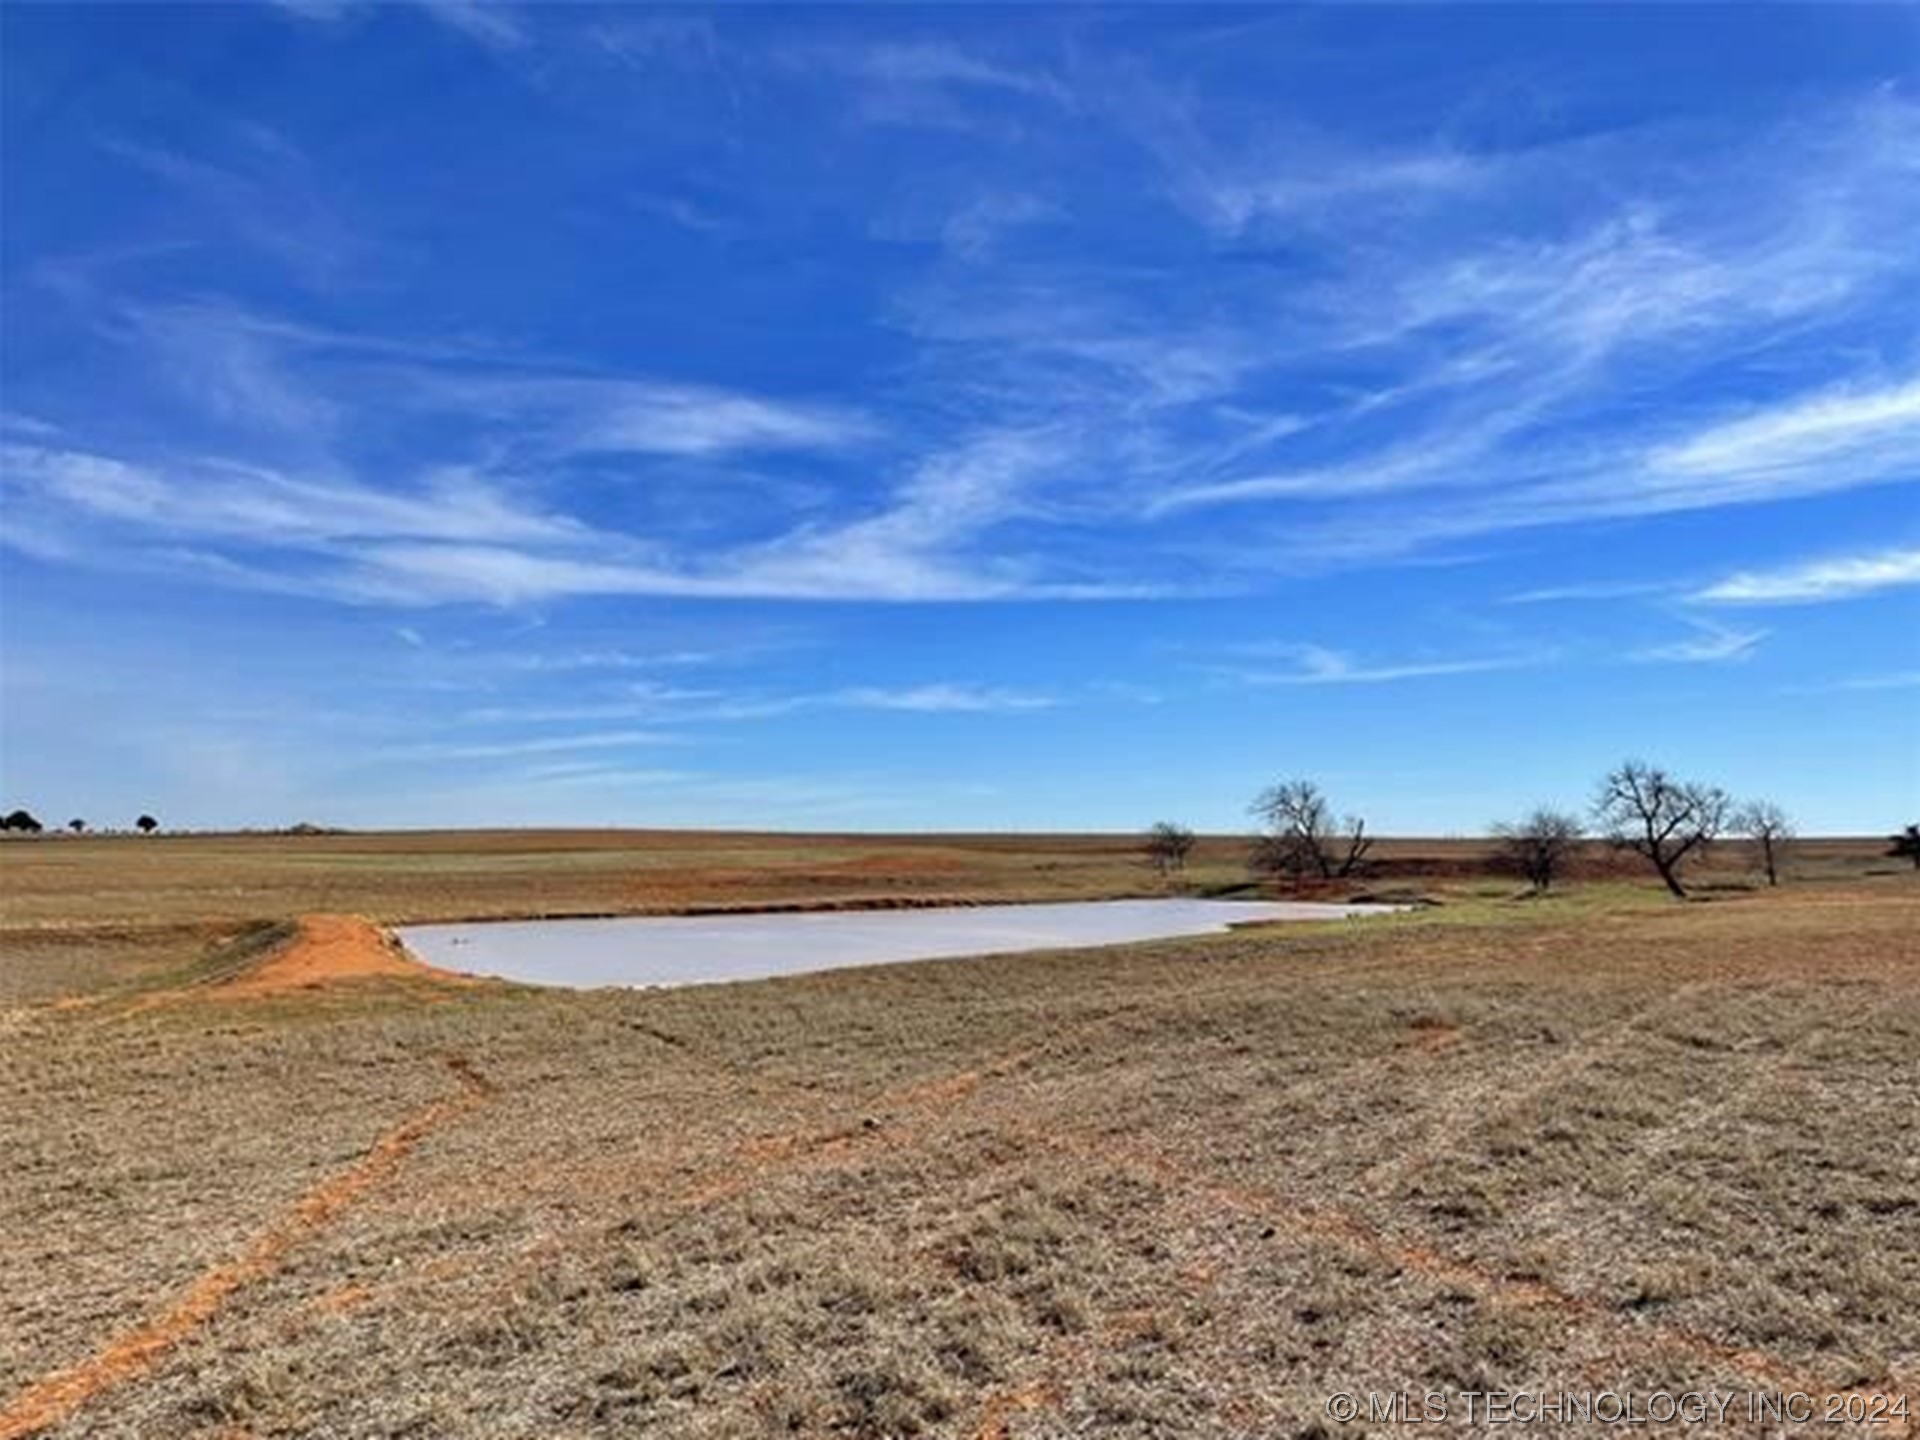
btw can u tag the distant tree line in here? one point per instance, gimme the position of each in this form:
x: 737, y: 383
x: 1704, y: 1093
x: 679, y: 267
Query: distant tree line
x: 26, y: 823
x: 1638, y: 808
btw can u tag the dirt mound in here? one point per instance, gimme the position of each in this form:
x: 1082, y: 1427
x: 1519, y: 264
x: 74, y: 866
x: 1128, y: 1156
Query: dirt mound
x: 326, y: 948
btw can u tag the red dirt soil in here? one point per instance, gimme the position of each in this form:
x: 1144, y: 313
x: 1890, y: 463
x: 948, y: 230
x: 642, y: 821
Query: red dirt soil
x: 329, y: 948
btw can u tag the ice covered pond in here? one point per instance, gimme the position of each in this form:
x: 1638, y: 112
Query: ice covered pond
x: 699, y: 949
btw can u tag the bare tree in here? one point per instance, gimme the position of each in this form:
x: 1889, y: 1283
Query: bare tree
x: 146, y: 824
x: 1540, y: 843
x: 1660, y: 817
x: 1771, y: 830
x: 1302, y: 837
x: 1168, y: 845
x: 1906, y: 845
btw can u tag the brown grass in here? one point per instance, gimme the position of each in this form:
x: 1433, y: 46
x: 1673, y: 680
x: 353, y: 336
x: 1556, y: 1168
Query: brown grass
x: 53, y: 1399
x: 54, y: 883
x: 1183, y: 1188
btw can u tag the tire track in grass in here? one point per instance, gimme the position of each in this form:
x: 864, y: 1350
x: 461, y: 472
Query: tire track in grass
x: 739, y: 1169
x: 55, y: 1398
x: 1506, y: 1092
x: 1311, y: 1224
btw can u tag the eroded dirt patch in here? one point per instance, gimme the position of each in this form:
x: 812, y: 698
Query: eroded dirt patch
x: 326, y: 949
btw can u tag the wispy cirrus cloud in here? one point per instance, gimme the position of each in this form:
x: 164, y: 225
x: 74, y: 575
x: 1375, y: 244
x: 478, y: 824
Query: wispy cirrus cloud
x: 1841, y: 577
x: 494, y: 24
x: 1524, y: 369
x: 1805, y: 430
x: 1392, y: 504
x: 1710, y: 643
x: 1501, y: 393
x: 931, y: 83
x: 911, y: 546
x: 943, y: 698
x: 236, y: 364
x: 573, y: 661
x: 265, y: 190
x: 1891, y: 680
x: 219, y: 501
x: 688, y: 706
x: 1291, y: 175
x: 974, y: 230
x: 530, y: 745
x: 940, y: 63
x: 641, y: 39
x: 1591, y: 590
x: 940, y: 697
x: 585, y: 415
x: 464, y: 536
x: 1066, y: 428
x: 1320, y: 665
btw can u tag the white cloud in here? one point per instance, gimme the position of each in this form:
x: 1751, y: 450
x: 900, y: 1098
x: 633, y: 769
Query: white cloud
x: 458, y: 536
x: 1710, y: 643
x: 231, y: 371
x: 1837, y: 578
x: 598, y: 774
x: 1805, y: 430
x: 935, y: 63
x: 691, y: 707
x: 538, y: 745
x: 12, y: 422
x: 611, y: 659
x: 1594, y: 590
x: 1542, y: 381
x: 265, y: 508
x: 1062, y: 429
x: 247, y: 369
x: 641, y: 38
x: 1234, y: 195
x: 1319, y: 665
x: 492, y: 23
x: 932, y: 84
x: 941, y: 699
x: 409, y: 573
x: 323, y: 10
x: 973, y: 230
x: 1230, y: 173
x: 586, y: 416
x: 1892, y: 680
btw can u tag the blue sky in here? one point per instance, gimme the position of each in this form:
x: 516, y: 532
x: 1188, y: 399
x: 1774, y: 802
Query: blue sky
x: 931, y: 418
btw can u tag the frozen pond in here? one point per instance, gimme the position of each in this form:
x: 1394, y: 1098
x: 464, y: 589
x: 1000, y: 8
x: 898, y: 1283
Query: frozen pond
x: 697, y: 949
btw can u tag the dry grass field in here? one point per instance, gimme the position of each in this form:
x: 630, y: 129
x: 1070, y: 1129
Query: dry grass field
x: 1188, y: 1188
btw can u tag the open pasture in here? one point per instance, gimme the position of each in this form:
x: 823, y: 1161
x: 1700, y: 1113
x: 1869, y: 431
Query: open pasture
x: 1192, y: 1187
